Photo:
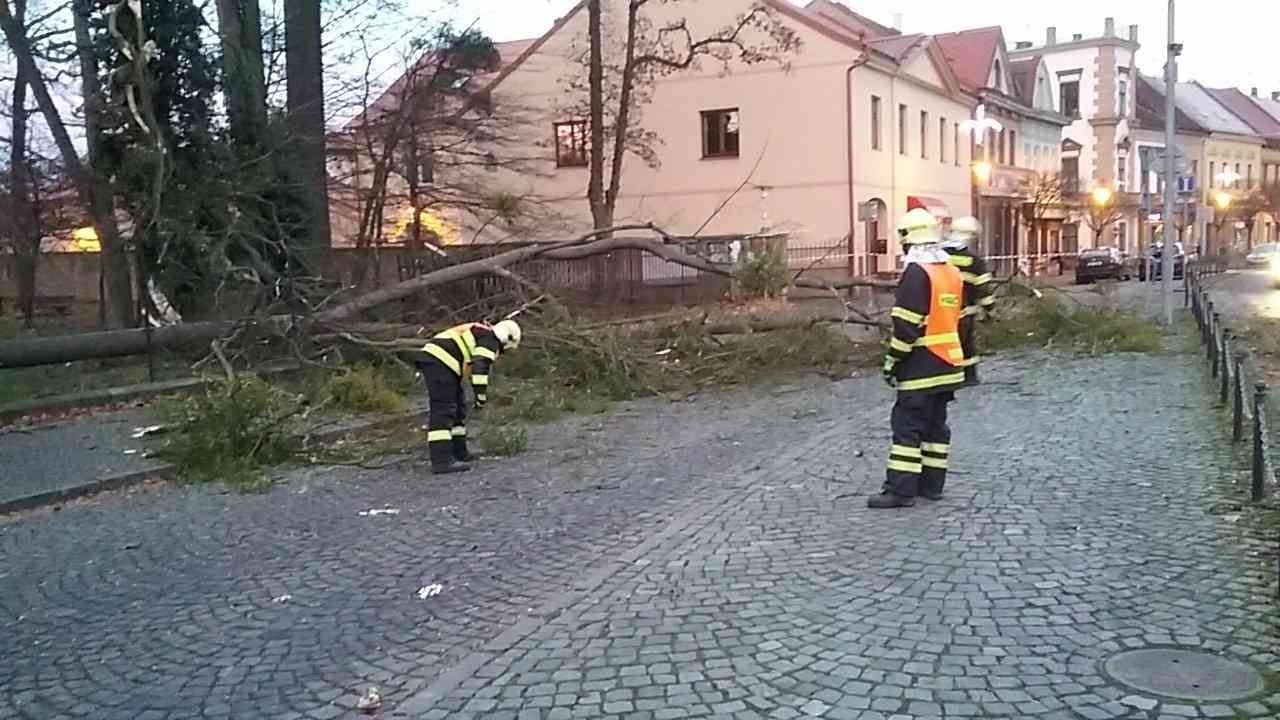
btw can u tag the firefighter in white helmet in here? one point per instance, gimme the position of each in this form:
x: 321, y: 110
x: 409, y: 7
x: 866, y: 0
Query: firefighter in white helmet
x: 978, y: 296
x: 467, y: 349
x: 925, y: 363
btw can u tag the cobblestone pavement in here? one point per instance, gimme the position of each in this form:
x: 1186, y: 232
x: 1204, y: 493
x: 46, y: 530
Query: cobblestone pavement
x: 707, y: 559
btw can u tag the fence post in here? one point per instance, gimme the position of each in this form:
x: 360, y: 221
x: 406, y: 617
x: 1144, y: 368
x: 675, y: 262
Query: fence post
x: 1259, y: 458
x: 1225, y: 387
x: 1210, y: 332
x: 1237, y: 409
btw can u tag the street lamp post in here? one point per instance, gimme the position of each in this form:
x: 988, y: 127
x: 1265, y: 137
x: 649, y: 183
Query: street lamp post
x: 1170, y: 166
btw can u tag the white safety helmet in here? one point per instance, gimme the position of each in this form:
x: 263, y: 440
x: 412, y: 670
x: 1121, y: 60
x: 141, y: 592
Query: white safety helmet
x: 963, y: 231
x: 919, y: 227
x: 508, y: 332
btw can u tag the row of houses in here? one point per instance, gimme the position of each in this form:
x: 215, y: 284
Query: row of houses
x: 860, y: 124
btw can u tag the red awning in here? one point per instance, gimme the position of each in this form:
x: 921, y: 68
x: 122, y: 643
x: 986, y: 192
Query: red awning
x: 933, y: 205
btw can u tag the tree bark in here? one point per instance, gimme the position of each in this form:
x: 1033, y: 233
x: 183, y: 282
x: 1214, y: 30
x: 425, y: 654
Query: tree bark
x: 305, y: 97
x: 595, y: 187
x: 240, y: 25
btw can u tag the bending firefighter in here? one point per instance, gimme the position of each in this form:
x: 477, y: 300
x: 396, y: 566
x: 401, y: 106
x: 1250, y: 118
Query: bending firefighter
x: 925, y: 363
x: 470, y: 348
x: 978, y: 297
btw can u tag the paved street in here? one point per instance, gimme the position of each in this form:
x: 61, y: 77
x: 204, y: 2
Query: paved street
x: 1242, y: 295
x: 703, y: 559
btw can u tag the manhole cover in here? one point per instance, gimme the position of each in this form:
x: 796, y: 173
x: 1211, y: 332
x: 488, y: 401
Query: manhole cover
x: 1185, y: 674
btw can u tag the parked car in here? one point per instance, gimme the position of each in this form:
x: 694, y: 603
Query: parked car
x: 1263, y: 254
x: 1104, y: 263
x: 1154, y: 260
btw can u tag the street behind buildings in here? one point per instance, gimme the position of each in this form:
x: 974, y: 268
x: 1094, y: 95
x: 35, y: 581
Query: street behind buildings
x: 696, y: 559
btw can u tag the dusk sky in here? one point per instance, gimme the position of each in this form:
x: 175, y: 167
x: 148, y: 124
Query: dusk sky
x: 1220, y: 50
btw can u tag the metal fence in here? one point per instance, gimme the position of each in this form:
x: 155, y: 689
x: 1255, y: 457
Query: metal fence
x: 1239, y: 381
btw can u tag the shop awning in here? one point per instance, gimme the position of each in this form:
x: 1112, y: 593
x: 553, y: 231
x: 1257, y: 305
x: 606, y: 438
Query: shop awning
x: 933, y: 205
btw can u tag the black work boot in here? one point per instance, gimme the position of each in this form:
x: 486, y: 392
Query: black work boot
x: 886, y: 500
x: 461, y: 453
x: 442, y: 460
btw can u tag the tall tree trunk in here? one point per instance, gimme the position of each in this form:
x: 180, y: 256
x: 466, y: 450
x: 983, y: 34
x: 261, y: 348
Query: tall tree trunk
x: 26, y: 226
x: 114, y: 258
x: 240, y: 25
x: 595, y: 189
x: 304, y: 68
x: 94, y: 192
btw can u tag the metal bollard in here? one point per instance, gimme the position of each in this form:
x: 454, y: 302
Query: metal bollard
x: 1209, y: 330
x: 1225, y: 386
x: 1259, y: 460
x: 1218, y: 332
x: 1237, y: 409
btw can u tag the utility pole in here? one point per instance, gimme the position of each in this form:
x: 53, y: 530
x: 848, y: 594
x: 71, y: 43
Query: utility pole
x: 1170, y: 170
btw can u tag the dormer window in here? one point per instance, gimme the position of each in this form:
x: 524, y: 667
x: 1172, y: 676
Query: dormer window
x: 998, y: 77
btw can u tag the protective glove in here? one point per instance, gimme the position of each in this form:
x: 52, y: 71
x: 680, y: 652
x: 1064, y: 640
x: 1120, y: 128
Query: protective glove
x: 887, y: 372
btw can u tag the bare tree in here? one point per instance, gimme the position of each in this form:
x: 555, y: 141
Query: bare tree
x: 1245, y: 209
x: 648, y: 53
x: 93, y: 188
x: 1101, y: 217
x: 1044, y: 193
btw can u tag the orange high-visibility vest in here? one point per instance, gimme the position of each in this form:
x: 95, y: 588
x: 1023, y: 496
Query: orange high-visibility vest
x: 942, y: 331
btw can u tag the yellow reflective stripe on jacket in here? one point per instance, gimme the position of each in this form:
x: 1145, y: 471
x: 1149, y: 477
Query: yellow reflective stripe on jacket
x: 443, y: 356
x: 485, y: 352
x: 987, y: 301
x: 936, y: 448
x: 900, y: 346
x: 960, y: 260
x: 905, y: 451
x: 972, y: 279
x: 904, y: 314
x: 929, y: 383
x: 480, y: 380
x: 939, y: 339
x: 970, y: 362
x: 439, y: 436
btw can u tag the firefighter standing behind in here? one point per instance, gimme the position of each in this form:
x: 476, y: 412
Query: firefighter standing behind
x: 925, y: 363
x: 449, y: 357
x: 978, y: 298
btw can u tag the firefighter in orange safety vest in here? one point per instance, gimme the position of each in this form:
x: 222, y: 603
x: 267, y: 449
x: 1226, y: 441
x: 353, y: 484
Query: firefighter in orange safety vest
x: 925, y: 363
x: 467, y: 349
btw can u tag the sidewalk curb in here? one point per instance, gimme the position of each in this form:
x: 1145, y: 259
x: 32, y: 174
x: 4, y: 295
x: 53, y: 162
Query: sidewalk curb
x: 100, y: 485
x: 169, y: 472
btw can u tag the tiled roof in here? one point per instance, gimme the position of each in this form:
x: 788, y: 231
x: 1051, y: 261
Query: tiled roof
x: 1244, y: 108
x: 898, y: 46
x: 850, y: 20
x: 1022, y: 79
x: 1150, y: 109
x: 1202, y: 107
x: 971, y: 53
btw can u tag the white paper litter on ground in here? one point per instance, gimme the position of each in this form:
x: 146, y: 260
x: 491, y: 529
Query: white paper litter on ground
x: 430, y: 591
x: 379, y: 511
x: 145, y: 431
x: 282, y: 599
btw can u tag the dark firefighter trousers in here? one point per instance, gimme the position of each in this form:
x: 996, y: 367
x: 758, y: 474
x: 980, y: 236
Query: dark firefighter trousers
x: 968, y: 342
x: 921, y: 444
x: 446, y: 412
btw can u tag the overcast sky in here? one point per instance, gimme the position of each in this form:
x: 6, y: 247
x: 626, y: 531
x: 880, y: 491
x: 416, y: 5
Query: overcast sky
x: 1226, y: 42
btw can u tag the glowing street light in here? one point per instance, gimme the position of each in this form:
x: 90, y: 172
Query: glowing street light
x: 982, y: 171
x: 1222, y: 200
x: 1101, y: 196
